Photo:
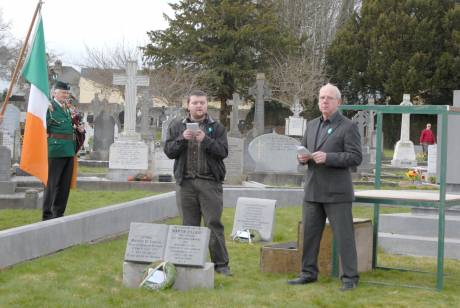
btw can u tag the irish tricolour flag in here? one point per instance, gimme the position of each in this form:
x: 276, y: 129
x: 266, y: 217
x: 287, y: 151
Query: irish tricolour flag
x: 34, y: 156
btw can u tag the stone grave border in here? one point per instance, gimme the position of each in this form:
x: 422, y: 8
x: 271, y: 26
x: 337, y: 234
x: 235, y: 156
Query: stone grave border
x: 39, y: 239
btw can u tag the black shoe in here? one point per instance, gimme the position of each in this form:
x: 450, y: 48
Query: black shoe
x: 348, y: 285
x: 223, y: 270
x: 302, y: 280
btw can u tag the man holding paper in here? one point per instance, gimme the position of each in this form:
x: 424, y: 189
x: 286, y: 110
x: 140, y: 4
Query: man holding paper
x: 334, y: 143
x: 199, y: 144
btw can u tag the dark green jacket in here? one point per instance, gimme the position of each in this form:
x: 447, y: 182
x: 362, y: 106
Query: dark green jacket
x: 59, y: 121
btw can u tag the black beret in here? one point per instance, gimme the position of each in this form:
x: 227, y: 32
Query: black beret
x: 62, y: 85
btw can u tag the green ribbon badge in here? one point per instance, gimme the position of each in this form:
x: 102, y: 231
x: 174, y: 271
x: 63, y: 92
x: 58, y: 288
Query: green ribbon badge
x: 329, y: 131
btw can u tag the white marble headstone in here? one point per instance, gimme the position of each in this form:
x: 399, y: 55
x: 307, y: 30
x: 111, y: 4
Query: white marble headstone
x: 257, y: 214
x: 128, y: 155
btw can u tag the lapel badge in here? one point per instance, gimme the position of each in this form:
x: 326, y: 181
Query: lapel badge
x: 329, y: 131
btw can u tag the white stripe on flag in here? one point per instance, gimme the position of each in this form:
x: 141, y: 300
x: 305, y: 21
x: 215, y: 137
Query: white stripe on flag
x: 38, y: 103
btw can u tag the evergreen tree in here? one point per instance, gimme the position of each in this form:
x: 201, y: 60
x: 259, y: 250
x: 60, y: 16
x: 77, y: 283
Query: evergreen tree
x: 228, y: 41
x: 399, y: 46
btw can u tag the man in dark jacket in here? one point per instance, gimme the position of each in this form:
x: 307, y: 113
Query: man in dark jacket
x: 199, y: 144
x: 61, y: 152
x: 334, y: 143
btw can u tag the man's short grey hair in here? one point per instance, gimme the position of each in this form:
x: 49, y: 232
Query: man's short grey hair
x: 338, y: 95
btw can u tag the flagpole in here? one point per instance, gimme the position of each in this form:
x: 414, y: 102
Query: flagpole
x: 18, y: 64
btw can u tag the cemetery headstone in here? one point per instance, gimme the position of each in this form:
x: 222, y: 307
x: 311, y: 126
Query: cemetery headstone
x: 257, y: 214
x: 404, y: 154
x: 128, y: 157
x: 361, y: 118
x: 234, y: 161
x: 164, y: 129
x: 146, y: 103
x: 129, y: 144
x: 146, y: 242
x: 432, y: 159
x: 11, y: 119
x: 234, y: 117
x: 5, y: 163
x: 103, y: 136
x: 6, y: 186
x: 181, y: 245
x: 261, y: 92
x: 453, y: 148
x: 162, y: 165
x: 295, y: 124
x: 274, y: 153
x: 185, y: 246
x: 131, y: 81
x: 9, y: 127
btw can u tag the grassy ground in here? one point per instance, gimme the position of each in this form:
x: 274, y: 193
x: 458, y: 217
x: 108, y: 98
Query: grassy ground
x: 92, y: 170
x: 388, y: 153
x: 91, y: 276
x: 79, y: 201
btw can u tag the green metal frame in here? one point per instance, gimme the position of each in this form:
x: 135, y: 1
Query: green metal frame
x: 443, y: 111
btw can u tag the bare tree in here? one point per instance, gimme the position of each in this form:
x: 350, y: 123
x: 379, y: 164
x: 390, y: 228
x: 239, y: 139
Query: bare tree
x: 173, y: 84
x: 169, y: 85
x: 315, y: 22
x: 9, y: 49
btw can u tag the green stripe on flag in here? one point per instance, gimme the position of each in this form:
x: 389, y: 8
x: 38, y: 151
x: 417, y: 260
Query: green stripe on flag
x: 35, y: 69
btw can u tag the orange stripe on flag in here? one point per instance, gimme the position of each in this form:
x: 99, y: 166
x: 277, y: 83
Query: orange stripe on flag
x: 34, y: 155
x: 73, y: 182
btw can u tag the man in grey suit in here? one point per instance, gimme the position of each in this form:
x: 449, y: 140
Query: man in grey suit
x: 335, y: 146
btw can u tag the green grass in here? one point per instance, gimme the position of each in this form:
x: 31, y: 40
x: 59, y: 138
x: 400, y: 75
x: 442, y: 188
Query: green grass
x: 79, y: 201
x: 388, y: 153
x: 91, y: 276
x: 92, y: 170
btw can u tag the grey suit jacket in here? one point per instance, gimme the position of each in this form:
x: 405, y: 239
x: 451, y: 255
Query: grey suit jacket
x: 331, y: 182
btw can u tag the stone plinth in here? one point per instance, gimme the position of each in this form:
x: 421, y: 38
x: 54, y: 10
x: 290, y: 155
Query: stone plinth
x: 186, y: 277
x: 133, y: 273
x: 194, y: 277
x: 7, y: 187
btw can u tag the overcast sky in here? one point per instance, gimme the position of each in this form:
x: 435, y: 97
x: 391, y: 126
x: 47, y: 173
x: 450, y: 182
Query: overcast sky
x: 70, y: 24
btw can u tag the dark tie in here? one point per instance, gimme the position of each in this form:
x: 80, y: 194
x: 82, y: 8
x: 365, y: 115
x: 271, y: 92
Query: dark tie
x: 322, y: 132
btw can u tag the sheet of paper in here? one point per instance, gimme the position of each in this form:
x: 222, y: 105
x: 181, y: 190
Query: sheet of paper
x: 192, y: 126
x: 301, y: 150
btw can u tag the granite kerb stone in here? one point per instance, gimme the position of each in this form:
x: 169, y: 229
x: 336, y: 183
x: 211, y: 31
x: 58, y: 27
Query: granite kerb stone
x: 42, y: 238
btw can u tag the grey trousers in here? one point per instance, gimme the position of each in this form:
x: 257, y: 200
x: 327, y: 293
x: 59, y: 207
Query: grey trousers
x: 203, y: 198
x: 341, y: 220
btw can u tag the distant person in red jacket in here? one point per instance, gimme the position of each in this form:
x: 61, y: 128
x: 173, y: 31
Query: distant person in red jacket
x: 427, y: 138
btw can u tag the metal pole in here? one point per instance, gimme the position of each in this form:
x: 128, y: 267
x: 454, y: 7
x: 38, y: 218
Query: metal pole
x: 19, y: 62
x: 442, y: 203
x: 377, y: 185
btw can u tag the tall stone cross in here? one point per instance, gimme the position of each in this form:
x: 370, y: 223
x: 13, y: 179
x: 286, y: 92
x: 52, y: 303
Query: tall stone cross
x: 234, y: 117
x: 131, y: 81
x: 261, y: 91
x: 405, y: 121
